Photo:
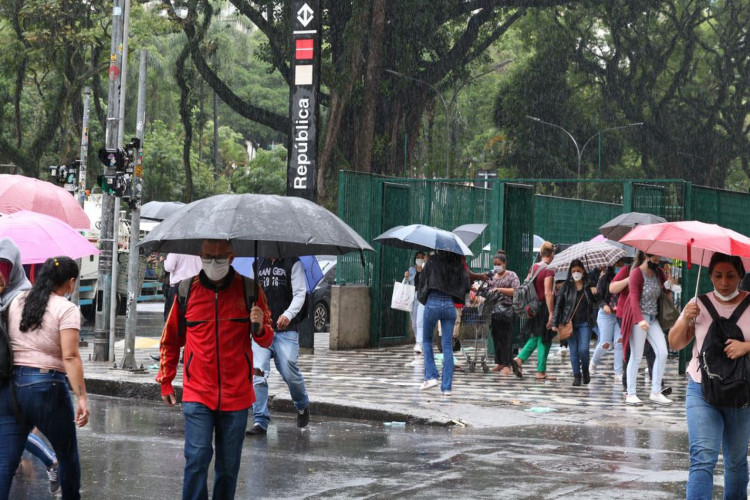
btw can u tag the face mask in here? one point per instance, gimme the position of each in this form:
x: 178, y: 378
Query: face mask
x: 420, y: 262
x: 577, y: 276
x: 214, y: 271
x: 499, y: 269
x: 726, y: 298
x: 653, y: 265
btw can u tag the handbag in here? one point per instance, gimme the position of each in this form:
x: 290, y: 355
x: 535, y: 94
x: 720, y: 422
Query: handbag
x: 566, y: 329
x: 403, y: 296
x: 667, y: 314
x: 503, y: 312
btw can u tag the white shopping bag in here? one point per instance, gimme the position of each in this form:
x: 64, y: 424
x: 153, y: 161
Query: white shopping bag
x: 403, y: 296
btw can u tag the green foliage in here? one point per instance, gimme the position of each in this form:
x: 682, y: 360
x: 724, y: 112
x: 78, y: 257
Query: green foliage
x: 265, y: 174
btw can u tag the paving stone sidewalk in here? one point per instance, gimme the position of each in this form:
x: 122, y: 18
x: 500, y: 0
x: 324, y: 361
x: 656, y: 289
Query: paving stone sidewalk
x: 383, y: 384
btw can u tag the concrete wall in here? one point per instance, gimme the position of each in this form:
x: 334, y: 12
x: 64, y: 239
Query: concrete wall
x: 350, y: 317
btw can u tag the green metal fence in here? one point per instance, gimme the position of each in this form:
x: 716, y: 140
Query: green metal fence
x: 515, y: 210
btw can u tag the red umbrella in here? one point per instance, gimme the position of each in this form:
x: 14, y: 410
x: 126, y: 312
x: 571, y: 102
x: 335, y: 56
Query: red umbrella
x: 25, y: 193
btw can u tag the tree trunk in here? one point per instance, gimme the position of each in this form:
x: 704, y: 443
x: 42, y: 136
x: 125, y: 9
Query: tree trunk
x: 186, y: 123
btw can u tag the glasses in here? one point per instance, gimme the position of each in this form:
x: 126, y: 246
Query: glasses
x: 218, y: 260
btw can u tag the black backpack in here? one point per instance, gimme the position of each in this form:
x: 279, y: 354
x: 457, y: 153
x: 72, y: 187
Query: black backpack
x: 526, y: 302
x: 725, y: 382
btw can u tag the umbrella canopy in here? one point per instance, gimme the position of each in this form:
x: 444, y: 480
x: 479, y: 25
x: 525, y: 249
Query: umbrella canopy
x: 692, y: 241
x: 469, y: 232
x: 257, y: 225
x: 629, y: 251
x: 620, y: 225
x: 18, y: 192
x: 40, y: 237
x: 593, y: 254
x: 160, y: 210
x: 313, y: 273
x: 538, y: 242
x: 419, y: 237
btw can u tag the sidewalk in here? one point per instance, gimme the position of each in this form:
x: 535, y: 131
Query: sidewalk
x: 383, y: 385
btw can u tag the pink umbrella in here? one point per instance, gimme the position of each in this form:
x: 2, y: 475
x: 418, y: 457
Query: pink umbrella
x: 25, y: 193
x: 40, y: 237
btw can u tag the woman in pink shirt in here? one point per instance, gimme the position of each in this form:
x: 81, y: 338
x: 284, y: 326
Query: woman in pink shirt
x: 709, y: 426
x: 43, y: 327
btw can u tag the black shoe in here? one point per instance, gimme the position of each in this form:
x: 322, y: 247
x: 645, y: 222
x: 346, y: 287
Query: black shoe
x: 303, y: 417
x: 666, y: 391
x: 576, y: 380
x: 256, y: 430
x: 155, y: 357
x: 586, y: 377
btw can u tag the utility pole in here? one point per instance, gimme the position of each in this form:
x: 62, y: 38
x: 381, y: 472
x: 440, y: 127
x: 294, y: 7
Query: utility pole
x: 116, y: 217
x: 104, y: 291
x: 131, y: 316
x: 84, y: 146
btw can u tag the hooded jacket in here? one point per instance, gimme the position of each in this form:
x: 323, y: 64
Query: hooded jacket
x: 218, y: 353
x: 18, y: 281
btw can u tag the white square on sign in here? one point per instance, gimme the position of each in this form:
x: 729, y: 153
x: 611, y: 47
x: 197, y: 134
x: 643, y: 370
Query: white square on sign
x: 303, y: 75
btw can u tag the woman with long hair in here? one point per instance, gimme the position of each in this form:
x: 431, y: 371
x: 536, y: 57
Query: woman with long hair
x: 710, y: 426
x: 610, y: 338
x: 503, y: 282
x: 576, y: 302
x: 43, y: 327
x: 639, y: 324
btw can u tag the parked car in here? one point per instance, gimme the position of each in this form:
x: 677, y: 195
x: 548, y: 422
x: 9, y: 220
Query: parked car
x: 322, y: 294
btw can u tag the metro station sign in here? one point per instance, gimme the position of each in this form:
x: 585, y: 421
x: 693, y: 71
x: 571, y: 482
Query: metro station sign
x: 303, y: 99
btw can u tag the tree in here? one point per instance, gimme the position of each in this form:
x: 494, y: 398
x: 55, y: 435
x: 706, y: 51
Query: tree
x: 266, y: 173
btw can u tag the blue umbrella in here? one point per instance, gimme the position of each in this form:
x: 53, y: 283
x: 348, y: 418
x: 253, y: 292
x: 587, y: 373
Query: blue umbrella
x: 313, y: 273
x: 419, y: 237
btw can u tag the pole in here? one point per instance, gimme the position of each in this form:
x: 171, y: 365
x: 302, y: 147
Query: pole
x: 216, y: 136
x: 84, y: 146
x: 131, y: 317
x: 104, y: 284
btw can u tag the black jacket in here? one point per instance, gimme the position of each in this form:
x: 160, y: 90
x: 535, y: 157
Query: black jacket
x: 566, y: 301
x: 444, y: 272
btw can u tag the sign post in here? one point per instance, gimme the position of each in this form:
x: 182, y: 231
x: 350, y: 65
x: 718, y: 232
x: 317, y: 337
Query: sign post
x: 303, y: 101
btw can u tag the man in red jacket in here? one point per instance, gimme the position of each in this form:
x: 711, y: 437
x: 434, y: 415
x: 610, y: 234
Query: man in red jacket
x: 217, y: 381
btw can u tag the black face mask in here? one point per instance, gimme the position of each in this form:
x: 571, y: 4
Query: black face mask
x: 653, y: 265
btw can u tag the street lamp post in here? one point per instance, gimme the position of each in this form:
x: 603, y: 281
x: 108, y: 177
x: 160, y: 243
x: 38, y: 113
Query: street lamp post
x: 447, y: 116
x: 579, y: 150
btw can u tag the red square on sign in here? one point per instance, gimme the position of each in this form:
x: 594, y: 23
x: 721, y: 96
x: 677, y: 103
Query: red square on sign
x: 304, y: 48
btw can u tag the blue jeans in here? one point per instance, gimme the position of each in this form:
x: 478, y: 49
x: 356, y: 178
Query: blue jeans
x: 39, y: 449
x: 201, y: 423
x: 578, y: 343
x: 655, y: 337
x: 284, y: 350
x: 609, y: 333
x: 417, y: 320
x: 708, y: 428
x: 439, y: 307
x: 44, y: 402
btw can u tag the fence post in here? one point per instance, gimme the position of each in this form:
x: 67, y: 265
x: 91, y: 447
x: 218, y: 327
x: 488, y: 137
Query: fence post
x: 627, y: 197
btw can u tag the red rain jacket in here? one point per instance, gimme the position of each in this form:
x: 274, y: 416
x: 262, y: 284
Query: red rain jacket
x: 218, y: 355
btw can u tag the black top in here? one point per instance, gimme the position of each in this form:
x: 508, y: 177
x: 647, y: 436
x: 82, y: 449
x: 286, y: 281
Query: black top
x: 444, y: 272
x: 275, y: 278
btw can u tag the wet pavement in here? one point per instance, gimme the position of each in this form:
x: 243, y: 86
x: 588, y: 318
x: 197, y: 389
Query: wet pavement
x: 133, y: 449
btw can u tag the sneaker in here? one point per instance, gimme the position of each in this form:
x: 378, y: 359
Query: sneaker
x: 633, y: 400
x: 660, y: 399
x: 447, y: 393
x: 256, y: 430
x: 54, y: 483
x: 417, y: 349
x: 428, y: 384
x: 303, y: 417
x: 592, y: 368
x: 563, y: 352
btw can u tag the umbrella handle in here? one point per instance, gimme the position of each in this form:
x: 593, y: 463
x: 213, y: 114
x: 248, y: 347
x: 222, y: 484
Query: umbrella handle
x: 255, y: 327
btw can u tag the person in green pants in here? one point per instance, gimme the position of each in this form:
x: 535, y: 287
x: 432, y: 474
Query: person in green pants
x: 538, y: 327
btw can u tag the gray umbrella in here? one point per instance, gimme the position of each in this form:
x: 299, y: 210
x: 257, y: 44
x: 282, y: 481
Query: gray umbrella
x: 469, y: 232
x: 160, y: 210
x: 257, y: 225
x: 419, y: 237
x: 622, y: 224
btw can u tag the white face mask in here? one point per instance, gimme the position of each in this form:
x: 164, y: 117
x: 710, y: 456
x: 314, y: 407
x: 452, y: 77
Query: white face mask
x: 577, y: 276
x: 419, y: 262
x: 214, y: 271
x: 499, y: 269
x: 726, y: 298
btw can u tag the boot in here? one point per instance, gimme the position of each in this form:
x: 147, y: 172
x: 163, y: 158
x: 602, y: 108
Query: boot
x: 576, y: 380
x: 586, y: 375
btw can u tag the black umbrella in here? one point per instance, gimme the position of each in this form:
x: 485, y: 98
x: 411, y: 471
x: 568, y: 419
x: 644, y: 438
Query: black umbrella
x: 160, y: 210
x: 622, y: 224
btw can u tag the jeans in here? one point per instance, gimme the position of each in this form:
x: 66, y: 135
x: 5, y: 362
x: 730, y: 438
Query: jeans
x: 638, y: 338
x: 439, y: 307
x: 708, y: 428
x: 44, y: 402
x: 536, y: 342
x: 579, y: 343
x: 284, y: 350
x: 39, y: 449
x: 609, y: 333
x: 201, y: 423
x: 417, y: 321
x: 502, y: 339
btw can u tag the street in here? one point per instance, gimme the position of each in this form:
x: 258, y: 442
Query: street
x: 133, y: 449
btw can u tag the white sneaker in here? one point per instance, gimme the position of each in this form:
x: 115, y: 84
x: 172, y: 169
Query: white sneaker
x: 660, y: 398
x: 428, y: 384
x: 632, y: 399
x: 592, y: 368
x: 417, y: 349
x: 447, y: 393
